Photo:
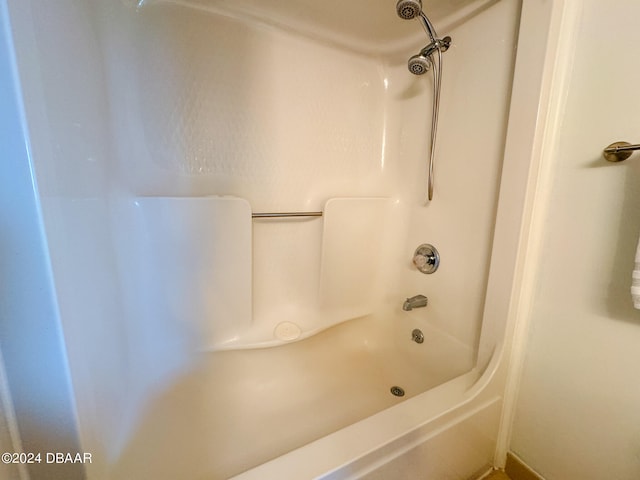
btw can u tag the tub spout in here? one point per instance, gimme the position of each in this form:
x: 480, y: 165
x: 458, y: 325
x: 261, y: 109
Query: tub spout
x: 414, y: 302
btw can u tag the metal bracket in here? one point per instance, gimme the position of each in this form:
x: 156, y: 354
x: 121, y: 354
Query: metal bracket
x: 619, y: 151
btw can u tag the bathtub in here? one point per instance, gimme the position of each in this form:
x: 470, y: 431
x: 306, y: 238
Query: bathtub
x: 135, y: 121
x: 238, y: 409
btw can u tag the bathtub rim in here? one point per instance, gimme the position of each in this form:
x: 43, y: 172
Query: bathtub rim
x: 396, y: 426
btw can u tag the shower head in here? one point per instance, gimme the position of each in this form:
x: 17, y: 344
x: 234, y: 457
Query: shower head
x: 419, y: 64
x: 408, y: 9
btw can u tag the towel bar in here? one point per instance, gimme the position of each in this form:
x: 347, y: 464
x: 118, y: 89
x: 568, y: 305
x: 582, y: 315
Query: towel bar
x: 285, y: 214
x: 619, y: 151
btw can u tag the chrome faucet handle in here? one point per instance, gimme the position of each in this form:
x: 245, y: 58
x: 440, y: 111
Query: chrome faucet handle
x: 426, y: 258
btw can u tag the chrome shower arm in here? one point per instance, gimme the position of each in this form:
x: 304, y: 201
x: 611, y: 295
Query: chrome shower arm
x: 428, y: 27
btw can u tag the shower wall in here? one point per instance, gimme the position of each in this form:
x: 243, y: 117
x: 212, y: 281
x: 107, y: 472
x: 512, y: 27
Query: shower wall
x: 476, y: 95
x: 77, y: 319
x: 33, y: 354
x: 131, y: 103
x: 210, y: 104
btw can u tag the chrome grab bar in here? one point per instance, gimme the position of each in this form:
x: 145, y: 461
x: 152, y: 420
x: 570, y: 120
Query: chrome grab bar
x: 619, y: 151
x: 285, y: 214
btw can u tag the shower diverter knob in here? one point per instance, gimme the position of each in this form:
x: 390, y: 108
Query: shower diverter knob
x: 426, y: 258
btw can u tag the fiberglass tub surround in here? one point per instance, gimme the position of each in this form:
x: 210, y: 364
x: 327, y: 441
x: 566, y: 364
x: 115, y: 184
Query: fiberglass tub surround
x: 229, y: 112
x: 239, y: 129
x: 247, y: 338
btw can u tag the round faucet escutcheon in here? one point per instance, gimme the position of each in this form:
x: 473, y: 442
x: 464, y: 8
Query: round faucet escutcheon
x: 426, y: 258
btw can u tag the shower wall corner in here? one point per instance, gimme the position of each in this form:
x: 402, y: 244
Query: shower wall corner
x: 34, y: 354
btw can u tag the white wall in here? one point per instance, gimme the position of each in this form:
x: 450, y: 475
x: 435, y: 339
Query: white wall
x: 577, y: 413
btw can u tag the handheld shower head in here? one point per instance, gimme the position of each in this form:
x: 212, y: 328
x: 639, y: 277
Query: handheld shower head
x: 429, y: 58
x: 408, y: 9
x: 419, y: 64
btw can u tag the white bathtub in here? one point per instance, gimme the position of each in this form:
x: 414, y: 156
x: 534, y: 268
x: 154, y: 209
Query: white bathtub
x: 238, y: 409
